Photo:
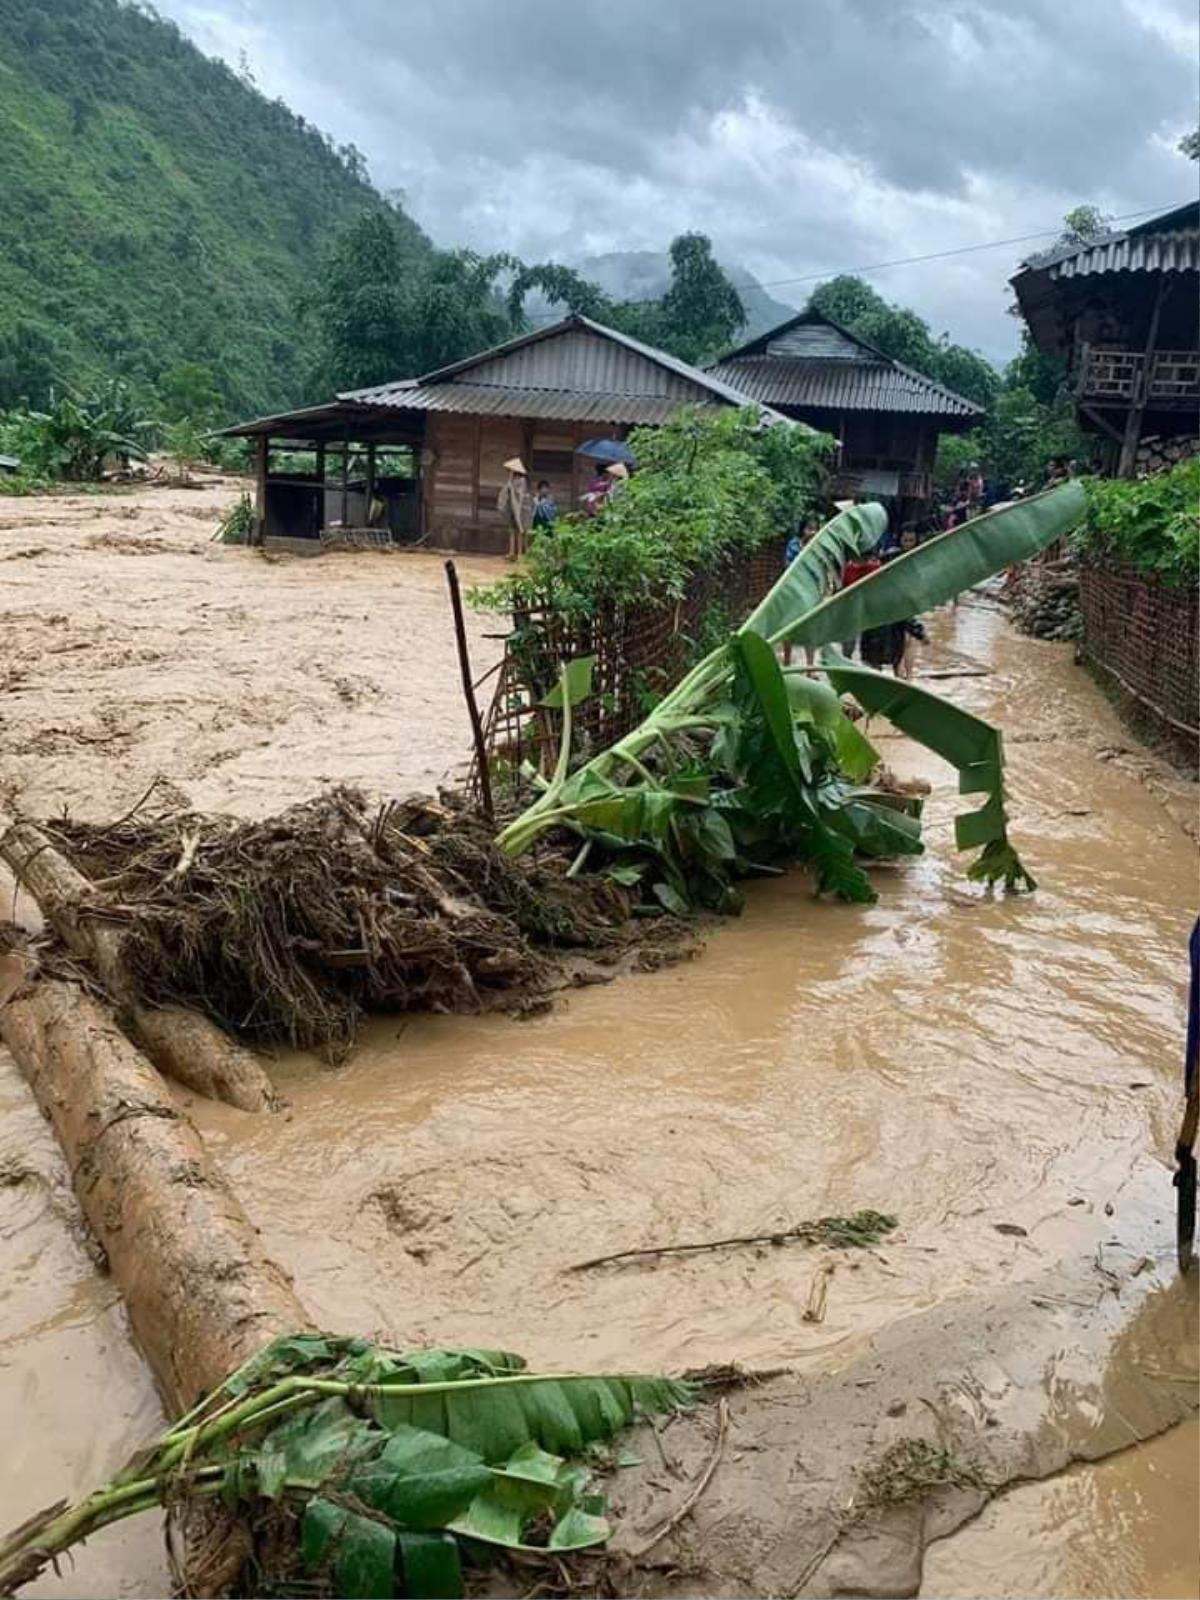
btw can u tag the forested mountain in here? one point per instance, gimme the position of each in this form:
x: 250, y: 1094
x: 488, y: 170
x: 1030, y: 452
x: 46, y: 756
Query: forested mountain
x: 157, y: 213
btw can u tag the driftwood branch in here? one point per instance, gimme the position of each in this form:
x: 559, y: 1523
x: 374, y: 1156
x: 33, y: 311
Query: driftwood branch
x: 185, y: 1045
x: 698, y: 1488
x: 864, y: 1228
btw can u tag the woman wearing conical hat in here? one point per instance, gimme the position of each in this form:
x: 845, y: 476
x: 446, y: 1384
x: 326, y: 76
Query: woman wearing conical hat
x: 513, y: 505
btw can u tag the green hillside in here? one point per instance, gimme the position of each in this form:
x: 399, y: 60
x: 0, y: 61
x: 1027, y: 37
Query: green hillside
x: 155, y: 209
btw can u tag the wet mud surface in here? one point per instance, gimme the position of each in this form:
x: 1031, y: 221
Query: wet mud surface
x: 1003, y: 1075
x: 134, y: 646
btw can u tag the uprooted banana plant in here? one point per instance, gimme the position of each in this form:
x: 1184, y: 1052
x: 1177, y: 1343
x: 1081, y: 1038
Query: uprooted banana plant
x: 386, y: 1468
x: 744, y: 763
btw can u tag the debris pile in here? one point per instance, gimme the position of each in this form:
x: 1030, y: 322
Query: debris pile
x: 288, y: 930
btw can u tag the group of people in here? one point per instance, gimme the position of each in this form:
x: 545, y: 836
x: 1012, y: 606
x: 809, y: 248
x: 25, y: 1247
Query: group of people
x: 891, y: 644
x: 886, y: 646
x: 522, y: 511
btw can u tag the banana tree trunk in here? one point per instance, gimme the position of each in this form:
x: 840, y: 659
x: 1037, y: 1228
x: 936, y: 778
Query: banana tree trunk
x: 181, y: 1043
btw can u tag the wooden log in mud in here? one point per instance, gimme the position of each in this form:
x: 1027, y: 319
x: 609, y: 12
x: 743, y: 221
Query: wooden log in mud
x: 183, y: 1044
x: 202, y: 1295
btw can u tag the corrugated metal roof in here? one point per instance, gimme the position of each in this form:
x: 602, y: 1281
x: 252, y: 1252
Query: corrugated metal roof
x: 491, y: 400
x: 1146, y: 252
x: 1169, y: 242
x: 601, y: 349
x: 841, y: 385
x: 575, y: 357
x: 575, y: 370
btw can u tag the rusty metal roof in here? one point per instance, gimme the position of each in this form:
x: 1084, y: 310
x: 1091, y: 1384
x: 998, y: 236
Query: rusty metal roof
x: 836, y: 384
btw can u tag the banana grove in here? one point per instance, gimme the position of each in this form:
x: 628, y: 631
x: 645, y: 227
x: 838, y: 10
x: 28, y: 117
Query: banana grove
x: 746, y: 763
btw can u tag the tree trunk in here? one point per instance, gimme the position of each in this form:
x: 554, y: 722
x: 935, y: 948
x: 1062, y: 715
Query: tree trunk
x: 201, y: 1294
x: 181, y: 1043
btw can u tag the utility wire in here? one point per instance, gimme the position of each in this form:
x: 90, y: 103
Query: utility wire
x: 878, y: 266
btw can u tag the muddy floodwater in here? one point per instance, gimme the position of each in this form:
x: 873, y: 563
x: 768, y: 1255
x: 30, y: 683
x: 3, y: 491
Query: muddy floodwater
x: 1001, y: 1074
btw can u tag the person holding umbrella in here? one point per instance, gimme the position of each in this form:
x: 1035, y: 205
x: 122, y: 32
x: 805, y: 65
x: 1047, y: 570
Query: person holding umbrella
x: 513, y: 505
x: 613, y: 460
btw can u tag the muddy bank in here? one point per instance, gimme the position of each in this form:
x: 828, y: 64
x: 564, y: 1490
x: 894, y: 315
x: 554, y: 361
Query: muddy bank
x: 961, y: 1061
x: 1010, y: 1386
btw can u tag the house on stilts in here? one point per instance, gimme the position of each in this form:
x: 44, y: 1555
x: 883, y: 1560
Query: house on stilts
x: 1123, y: 313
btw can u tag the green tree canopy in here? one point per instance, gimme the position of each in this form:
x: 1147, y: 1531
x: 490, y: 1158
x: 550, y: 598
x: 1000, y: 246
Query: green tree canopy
x: 381, y: 309
x: 904, y: 336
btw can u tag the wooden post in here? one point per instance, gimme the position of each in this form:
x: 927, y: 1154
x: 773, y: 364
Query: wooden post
x: 262, y: 455
x: 320, y: 500
x: 370, y: 484
x: 345, y: 476
x: 464, y: 666
x: 1133, y: 421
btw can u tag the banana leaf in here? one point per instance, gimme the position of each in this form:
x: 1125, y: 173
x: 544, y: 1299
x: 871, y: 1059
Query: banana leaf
x: 389, y: 1457
x: 817, y: 570
x: 776, y: 760
x: 933, y: 573
x: 965, y: 741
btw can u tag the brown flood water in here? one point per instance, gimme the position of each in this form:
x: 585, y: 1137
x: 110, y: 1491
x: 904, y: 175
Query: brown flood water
x: 959, y: 1060
x: 1125, y: 1527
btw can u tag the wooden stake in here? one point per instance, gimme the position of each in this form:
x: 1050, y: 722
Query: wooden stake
x: 464, y: 666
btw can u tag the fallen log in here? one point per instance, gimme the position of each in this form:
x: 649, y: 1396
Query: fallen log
x: 181, y: 1043
x: 201, y: 1293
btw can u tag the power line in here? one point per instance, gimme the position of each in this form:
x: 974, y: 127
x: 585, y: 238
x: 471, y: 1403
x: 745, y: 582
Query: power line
x: 879, y: 266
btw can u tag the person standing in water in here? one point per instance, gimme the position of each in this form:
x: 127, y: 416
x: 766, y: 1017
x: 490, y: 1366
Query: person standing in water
x: 513, y: 505
x: 891, y: 644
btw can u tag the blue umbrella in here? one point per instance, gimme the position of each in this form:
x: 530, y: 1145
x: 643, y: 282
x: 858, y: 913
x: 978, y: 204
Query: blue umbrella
x: 606, y: 450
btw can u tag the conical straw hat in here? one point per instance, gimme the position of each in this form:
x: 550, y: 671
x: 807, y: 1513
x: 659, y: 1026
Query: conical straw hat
x: 515, y: 464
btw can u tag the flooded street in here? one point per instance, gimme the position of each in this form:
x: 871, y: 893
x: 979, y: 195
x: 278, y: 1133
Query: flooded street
x: 1003, y: 1075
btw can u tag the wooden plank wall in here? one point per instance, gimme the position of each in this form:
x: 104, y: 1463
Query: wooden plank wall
x: 464, y: 472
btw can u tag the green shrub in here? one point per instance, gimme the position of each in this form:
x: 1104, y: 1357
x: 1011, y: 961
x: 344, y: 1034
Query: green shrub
x: 237, y: 525
x: 711, y: 486
x: 1151, y: 524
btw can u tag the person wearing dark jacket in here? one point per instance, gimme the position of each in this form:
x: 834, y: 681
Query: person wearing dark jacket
x: 889, y: 646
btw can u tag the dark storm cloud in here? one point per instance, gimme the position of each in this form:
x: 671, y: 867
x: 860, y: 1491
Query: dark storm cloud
x: 804, y: 135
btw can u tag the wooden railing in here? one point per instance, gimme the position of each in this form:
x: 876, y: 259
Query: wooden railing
x: 916, y: 485
x: 1130, y: 377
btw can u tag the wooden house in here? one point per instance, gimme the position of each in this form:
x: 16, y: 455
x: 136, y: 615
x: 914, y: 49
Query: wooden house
x: 886, y: 416
x: 1124, y: 313
x: 421, y: 460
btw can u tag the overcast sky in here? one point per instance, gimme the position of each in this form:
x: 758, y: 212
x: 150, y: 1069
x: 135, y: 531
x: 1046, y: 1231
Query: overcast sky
x: 806, y: 137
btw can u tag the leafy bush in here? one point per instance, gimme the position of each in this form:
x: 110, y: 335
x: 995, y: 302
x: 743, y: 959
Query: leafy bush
x: 20, y: 438
x: 237, y: 525
x: 79, y: 434
x: 710, y: 486
x: 1153, y: 524
x: 185, y: 442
